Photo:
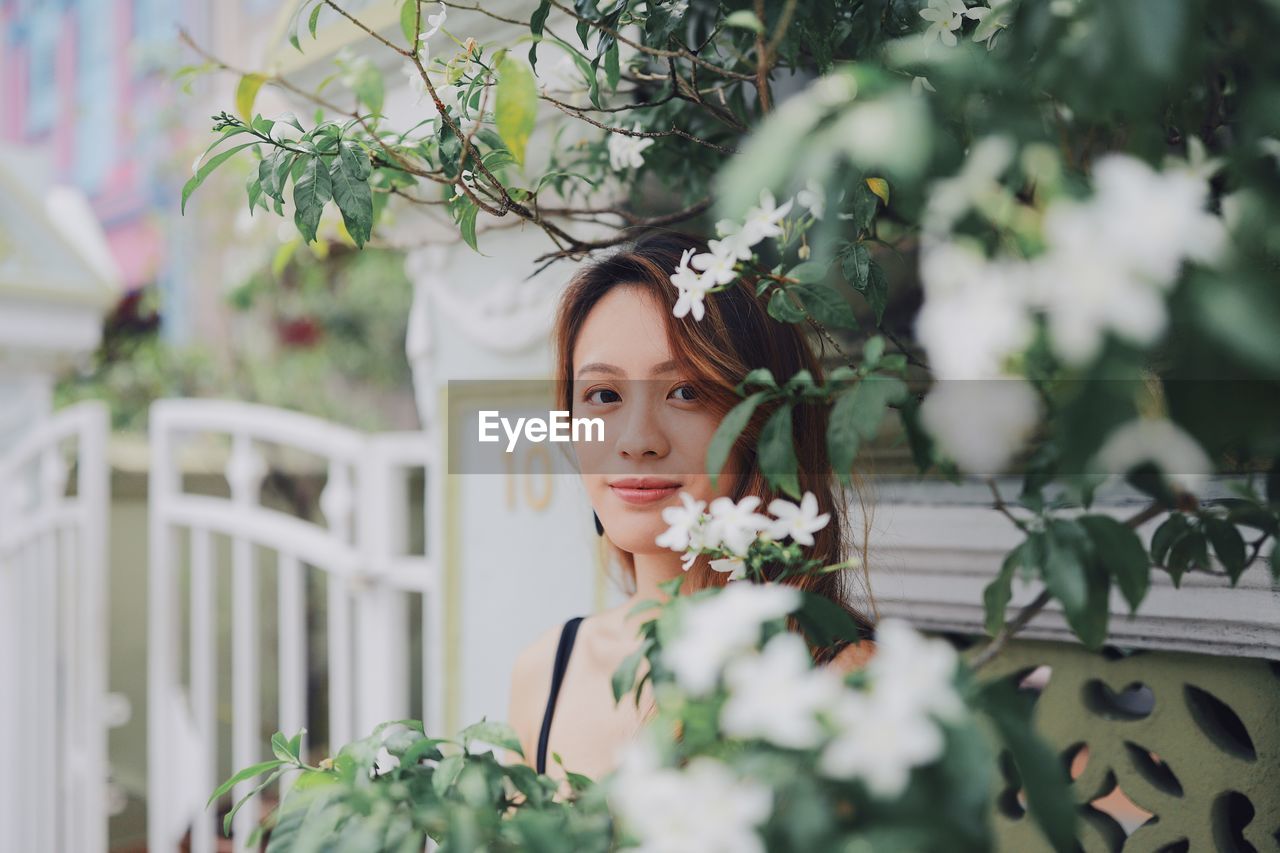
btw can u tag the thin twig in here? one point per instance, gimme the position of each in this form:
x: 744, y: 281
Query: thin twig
x: 997, y: 644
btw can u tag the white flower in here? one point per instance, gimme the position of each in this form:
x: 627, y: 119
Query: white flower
x: 692, y: 288
x: 433, y: 23
x: 733, y: 241
x: 944, y: 17
x: 1112, y: 259
x: 384, y: 762
x: 878, y: 745
x: 717, y: 266
x: 626, y: 151
x: 734, y: 567
x: 981, y: 424
x: 977, y: 181
x: 721, y: 626
x: 735, y: 525
x: 920, y: 85
x: 702, y: 807
x: 798, y: 522
x: 764, y: 219
x: 776, y: 695
x: 813, y: 197
x: 975, y: 313
x: 563, y: 75
x: 914, y: 674
x: 1160, y: 442
x: 991, y: 20
x: 682, y: 521
x: 884, y: 733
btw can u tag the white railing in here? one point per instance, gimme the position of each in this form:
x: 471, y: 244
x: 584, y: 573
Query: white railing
x: 358, y: 555
x: 53, y: 650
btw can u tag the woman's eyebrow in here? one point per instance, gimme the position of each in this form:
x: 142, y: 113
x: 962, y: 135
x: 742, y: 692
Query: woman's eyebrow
x: 601, y: 367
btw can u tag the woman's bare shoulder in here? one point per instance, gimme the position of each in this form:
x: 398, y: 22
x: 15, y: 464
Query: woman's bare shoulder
x: 853, y: 656
x: 530, y: 683
x: 533, y: 662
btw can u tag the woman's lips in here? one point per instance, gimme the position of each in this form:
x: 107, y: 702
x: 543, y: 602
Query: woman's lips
x: 644, y: 496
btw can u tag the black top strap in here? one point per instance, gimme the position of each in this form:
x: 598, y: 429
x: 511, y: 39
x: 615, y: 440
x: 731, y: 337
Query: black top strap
x: 567, y: 635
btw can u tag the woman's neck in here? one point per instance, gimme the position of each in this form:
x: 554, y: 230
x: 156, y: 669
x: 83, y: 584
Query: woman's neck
x: 654, y: 569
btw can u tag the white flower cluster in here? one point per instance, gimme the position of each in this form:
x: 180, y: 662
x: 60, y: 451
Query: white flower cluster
x: 704, y: 806
x: 875, y: 736
x: 732, y: 527
x: 1109, y: 264
x: 699, y: 273
x: 883, y: 733
x: 945, y: 17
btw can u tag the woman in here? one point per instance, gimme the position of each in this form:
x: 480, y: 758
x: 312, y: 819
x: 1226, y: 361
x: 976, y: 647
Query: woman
x: 661, y: 384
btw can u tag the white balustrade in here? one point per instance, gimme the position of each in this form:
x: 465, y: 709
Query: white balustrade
x: 356, y: 554
x: 53, y: 649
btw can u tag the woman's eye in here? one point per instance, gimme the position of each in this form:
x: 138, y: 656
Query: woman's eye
x: 591, y: 396
x: 689, y: 389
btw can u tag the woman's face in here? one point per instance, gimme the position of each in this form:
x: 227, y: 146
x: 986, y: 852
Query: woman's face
x: 656, y: 429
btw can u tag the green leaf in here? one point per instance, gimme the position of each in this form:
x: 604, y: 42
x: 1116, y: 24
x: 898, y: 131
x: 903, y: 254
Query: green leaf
x: 494, y: 732
x: 226, y: 821
x: 873, y: 351
x: 206, y: 170
x: 247, y: 93
x: 243, y: 775
x: 312, y: 189
x: 1091, y: 625
x: 1167, y: 534
x: 369, y: 87
x: 808, y: 273
x: 314, y: 19
x: 1228, y: 545
x: 782, y: 309
x: 826, y: 306
x: 744, y: 19
x: 515, y: 105
x: 280, y: 746
x: 1191, y: 551
x: 1156, y: 29
x: 778, y: 453
x: 467, y: 224
x: 877, y: 291
x: 856, y: 417
x: 1121, y: 553
x: 446, y: 773
x: 624, y: 677
x: 536, y: 23
x: 612, y: 72
x: 996, y: 596
x: 349, y: 177
x: 824, y: 621
x: 734, y: 422
x: 409, y: 22
x: 1044, y: 780
x: 1066, y: 554
x: 855, y: 264
x: 1273, y: 484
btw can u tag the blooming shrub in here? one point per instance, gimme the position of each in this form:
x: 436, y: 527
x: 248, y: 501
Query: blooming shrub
x: 1036, y: 234
x: 753, y: 747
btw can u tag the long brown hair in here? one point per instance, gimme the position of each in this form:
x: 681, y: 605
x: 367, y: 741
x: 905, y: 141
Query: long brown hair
x: 735, y: 336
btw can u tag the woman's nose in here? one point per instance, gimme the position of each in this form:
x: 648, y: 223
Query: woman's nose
x: 642, y: 435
